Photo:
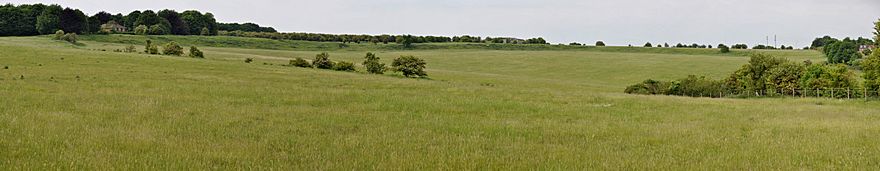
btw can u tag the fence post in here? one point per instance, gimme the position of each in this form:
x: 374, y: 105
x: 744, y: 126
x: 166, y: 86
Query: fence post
x: 832, y: 93
x: 847, y: 93
x: 866, y: 93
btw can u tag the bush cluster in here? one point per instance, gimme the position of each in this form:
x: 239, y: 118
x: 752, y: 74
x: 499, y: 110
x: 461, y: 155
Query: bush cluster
x: 409, y: 66
x: 764, y: 75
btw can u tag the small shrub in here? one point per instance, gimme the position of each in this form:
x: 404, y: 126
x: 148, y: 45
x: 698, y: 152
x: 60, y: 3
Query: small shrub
x: 322, y: 61
x: 410, y: 66
x: 371, y: 62
x: 69, y: 37
x: 129, y: 49
x: 5, y: 67
x: 59, y: 34
x: 195, y: 52
x: 300, y: 62
x: 600, y: 43
x: 248, y: 60
x: 344, y: 66
x: 172, y: 48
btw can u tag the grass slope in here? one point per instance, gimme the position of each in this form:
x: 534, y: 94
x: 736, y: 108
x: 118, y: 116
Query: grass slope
x: 525, y: 110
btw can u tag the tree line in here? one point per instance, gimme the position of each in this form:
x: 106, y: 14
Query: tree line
x: 844, y: 51
x: 40, y: 19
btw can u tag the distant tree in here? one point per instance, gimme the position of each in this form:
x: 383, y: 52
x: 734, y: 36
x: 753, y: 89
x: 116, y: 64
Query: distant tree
x: 821, y: 42
x: 96, y: 20
x: 371, y: 62
x: 49, y: 20
x: 842, y: 52
x: 130, y: 20
x: 658, y: 45
x: 666, y: 45
x: 300, y: 62
x: 724, y: 48
x: 649, y: 44
x: 152, y: 19
x: 73, y: 21
x: 410, y: 66
x: 198, y: 21
x: 600, y: 43
x: 406, y: 41
x: 195, y: 52
x: 322, y: 61
x: 178, y: 26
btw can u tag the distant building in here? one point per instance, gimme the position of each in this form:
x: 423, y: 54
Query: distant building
x: 113, y: 27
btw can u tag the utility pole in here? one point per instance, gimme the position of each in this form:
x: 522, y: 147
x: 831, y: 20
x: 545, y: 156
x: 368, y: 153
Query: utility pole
x: 775, y: 44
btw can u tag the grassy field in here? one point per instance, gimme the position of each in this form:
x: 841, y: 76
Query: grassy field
x: 77, y: 107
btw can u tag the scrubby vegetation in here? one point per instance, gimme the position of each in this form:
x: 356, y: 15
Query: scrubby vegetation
x: 371, y: 62
x: 410, y: 66
x: 764, y: 75
x: 195, y: 52
x: 300, y: 62
x: 322, y: 61
x: 343, y: 66
x: 172, y: 48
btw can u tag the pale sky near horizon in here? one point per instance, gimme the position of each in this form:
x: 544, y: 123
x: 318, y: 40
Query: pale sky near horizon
x: 618, y: 22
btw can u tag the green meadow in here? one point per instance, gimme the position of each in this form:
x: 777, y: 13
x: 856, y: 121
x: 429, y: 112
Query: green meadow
x: 484, y: 107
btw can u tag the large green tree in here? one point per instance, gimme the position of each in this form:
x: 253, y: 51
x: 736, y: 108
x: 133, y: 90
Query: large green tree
x: 197, y: 21
x: 96, y: 20
x: 49, y: 20
x: 150, y: 18
x: 178, y: 26
x: 74, y: 21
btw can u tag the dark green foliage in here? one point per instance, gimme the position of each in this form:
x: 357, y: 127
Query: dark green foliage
x: 74, y: 21
x: 195, y: 52
x: 821, y: 42
x: 649, y: 87
x: 248, y: 60
x: 371, y: 62
x: 322, y: 61
x: 196, y: 21
x: 406, y: 41
x: 177, y: 25
x: 96, y: 20
x: 600, y: 43
x: 724, y: 48
x: 410, y: 66
x: 49, y: 20
x: 344, y: 66
x: 740, y: 46
x: 300, y: 62
x: 539, y: 40
x: 172, y: 48
x: 842, y: 52
x: 649, y: 44
x: 130, y: 20
x: 246, y: 27
x: 17, y: 20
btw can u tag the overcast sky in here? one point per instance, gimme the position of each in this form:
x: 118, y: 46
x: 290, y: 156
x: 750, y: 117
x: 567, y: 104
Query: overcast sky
x: 617, y: 22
